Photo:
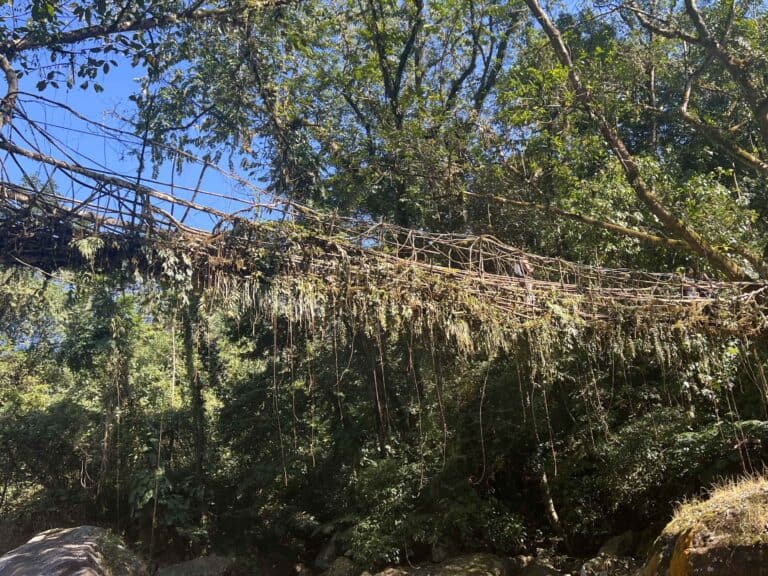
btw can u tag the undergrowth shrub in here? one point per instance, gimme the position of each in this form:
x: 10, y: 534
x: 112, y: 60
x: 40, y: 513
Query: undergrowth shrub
x: 635, y: 477
x: 406, y: 516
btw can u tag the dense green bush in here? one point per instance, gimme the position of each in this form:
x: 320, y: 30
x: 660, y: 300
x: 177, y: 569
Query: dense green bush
x: 398, y: 514
x: 635, y: 477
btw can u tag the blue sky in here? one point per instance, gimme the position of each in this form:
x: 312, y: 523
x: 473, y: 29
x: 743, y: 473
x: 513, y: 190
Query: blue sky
x: 90, y: 146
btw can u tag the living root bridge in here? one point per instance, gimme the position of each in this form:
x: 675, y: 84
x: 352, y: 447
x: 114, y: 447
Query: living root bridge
x: 474, y: 291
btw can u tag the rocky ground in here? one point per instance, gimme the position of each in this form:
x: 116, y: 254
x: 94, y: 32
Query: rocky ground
x: 723, y: 535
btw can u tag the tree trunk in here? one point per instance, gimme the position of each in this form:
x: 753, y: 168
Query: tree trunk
x: 190, y: 318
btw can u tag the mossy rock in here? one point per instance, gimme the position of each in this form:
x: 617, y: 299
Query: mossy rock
x: 723, y: 535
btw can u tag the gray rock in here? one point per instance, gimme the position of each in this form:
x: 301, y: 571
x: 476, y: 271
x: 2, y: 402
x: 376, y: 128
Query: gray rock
x: 722, y: 535
x: 475, y: 565
x: 329, y: 552
x: 206, y: 566
x: 81, y: 551
x: 700, y: 554
x: 621, y: 545
x: 609, y: 565
x: 343, y: 566
x: 468, y: 565
x: 539, y: 568
x: 519, y: 563
x: 439, y: 553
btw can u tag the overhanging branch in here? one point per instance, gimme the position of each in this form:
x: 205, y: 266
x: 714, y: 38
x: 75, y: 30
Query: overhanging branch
x: 139, y: 25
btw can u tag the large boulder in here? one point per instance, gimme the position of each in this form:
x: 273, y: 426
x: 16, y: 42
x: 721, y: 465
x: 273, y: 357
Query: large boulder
x: 81, y: 551
x: 724, y: 535
x: 440, y: 552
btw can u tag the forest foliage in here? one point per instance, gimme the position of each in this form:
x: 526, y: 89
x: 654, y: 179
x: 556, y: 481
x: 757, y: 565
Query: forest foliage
x: 627, y: 134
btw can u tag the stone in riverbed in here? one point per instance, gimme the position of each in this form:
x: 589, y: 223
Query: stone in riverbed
x: 329, y: 552
x: 439, y: 553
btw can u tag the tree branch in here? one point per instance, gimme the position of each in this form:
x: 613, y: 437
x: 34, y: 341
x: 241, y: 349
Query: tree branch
x: 493, y: 68
x: 649, y: 22
x: 8, y: 103
x: 737, y: 68
x: 458, y: 82
x: 360, y: 118
x: 643, y: 191
x: 381, y: 53
x: 408, y: 48
x: 103, y: 178
x: 101, y: 30
x: 645, y: 237
x: 718, y: 137
x: 715, y: 48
